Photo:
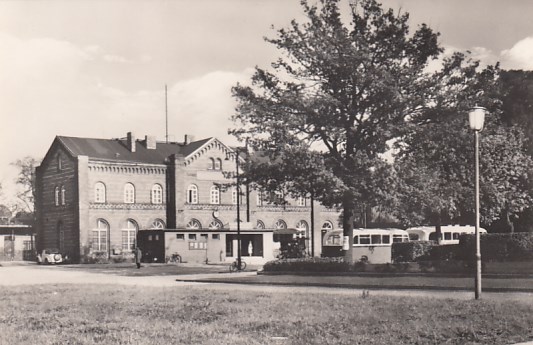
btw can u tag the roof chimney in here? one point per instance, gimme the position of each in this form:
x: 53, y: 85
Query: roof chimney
x: 131, y: 142
x: 188, y: 139
x: 150, y: 142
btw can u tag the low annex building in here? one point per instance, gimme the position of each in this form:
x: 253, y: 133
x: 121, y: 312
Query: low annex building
x: 96, y: 197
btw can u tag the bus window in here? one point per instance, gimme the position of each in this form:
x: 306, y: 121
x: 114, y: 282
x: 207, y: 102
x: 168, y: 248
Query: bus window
x: 356, y: 240
x: 447, y: 236
x: 398, y: 238
x: 376, y: 239
x: 412, y: 237
x: 386, y: 239
x: 433, y: 236
x: 364, y: 239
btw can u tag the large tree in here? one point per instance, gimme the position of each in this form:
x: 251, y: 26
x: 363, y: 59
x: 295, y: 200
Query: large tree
x: 435, y: 160
x: 26, y: 181
x: 341, y: 89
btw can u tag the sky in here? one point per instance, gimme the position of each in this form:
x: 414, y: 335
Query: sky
x: 98, y: 68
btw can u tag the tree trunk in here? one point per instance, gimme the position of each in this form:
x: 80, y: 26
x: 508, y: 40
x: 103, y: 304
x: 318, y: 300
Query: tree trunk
x: 347, y: 225
x: 510, y: 225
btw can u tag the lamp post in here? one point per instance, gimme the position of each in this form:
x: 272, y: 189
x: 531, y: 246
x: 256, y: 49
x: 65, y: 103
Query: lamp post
x: 476, y: 119
x: 239, y: 258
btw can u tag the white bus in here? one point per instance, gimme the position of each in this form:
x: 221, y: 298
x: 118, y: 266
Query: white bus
x: 449, y: 233
x: 373, y: 245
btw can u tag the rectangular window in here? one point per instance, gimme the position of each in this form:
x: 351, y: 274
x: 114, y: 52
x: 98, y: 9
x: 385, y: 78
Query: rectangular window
x: 364, y: 239
x: 386, y: 239
x: 99, y: 240
x: 180, y: 236
x: 216, y: 236
x: 197, y: 245
x: 455, y: 236
x: 447, y: 235
x: 301, y: 201
x: 192, y: 237
x: 128, y: 240
x: 397, y: 238
x: 376, y: 239
x: 203, y: 237
x: 27, y: 245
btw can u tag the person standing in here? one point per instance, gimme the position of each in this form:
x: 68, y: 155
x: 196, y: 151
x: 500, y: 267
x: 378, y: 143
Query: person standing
x: 138, y: 256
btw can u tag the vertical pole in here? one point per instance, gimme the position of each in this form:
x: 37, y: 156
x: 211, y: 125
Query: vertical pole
x: 166, y: 115
x: 238, y: 213
x: 478, y: 251
x: 312, y: 225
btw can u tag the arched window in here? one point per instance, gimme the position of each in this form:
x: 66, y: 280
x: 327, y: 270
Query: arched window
x: 59, y: 163
x: 302, y: 226
x: 157, y: 194
x: 56, y: 196
x: 192, y: 194
x: 129, y: 193
x: 218, y: 164
x: 215, y: 195
x: 99, y: 192
x: 99, y: 235
x: 280, y: 224
x: 215, y: 224
x: 260, y: 225
x: 211, y: 164
x: 129, y: 233
x: 63, y: 193
x: 327, y: 226
x: 193, y: 224
x: 158, y: 224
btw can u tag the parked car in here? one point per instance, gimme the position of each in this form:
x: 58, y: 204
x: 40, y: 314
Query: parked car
x: 50, y: 256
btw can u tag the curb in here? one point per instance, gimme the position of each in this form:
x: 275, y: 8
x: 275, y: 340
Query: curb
x: 396, y: 274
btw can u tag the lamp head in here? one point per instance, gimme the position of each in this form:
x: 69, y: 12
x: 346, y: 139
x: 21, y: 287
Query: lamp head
x: 476, y: 118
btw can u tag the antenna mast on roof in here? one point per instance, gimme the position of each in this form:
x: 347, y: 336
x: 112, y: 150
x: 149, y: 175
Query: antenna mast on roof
x: 166, y: 115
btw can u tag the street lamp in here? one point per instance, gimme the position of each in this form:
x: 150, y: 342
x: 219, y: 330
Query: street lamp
x: 476, y: 119
x: 239, y: 259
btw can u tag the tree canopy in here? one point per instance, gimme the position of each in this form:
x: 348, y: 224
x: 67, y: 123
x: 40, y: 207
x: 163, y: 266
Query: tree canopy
x: 341, y: 90
x: 26, y: 181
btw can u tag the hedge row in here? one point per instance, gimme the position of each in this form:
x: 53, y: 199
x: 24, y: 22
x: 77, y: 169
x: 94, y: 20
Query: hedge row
x: 308, y: 265
x: 494, y: 247
x: 517, y: 246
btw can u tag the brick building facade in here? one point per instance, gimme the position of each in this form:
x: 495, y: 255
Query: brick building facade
x: 93, y: 197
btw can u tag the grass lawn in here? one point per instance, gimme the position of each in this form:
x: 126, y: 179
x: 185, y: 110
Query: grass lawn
x: 81, y: 314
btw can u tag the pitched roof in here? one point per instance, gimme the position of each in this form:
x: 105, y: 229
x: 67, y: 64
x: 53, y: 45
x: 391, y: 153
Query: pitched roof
x: 117, y: 149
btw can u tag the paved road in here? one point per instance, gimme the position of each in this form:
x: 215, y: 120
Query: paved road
x: 13, y: 274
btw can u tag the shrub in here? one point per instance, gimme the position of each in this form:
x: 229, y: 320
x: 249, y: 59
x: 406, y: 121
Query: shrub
x: 308, y: 265
x: 498, y: 247
x: 411, y: 251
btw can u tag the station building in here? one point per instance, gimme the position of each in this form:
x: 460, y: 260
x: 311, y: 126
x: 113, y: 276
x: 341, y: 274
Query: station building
x: 99, y: 198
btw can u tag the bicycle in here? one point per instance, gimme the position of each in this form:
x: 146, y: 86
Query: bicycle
x: 174, y: 258
x: 234, y: 267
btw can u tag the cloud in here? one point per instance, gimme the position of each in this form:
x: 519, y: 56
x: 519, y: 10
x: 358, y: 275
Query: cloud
x: 116, y: 58
x: 520, y: 56
x: 51, y: 87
